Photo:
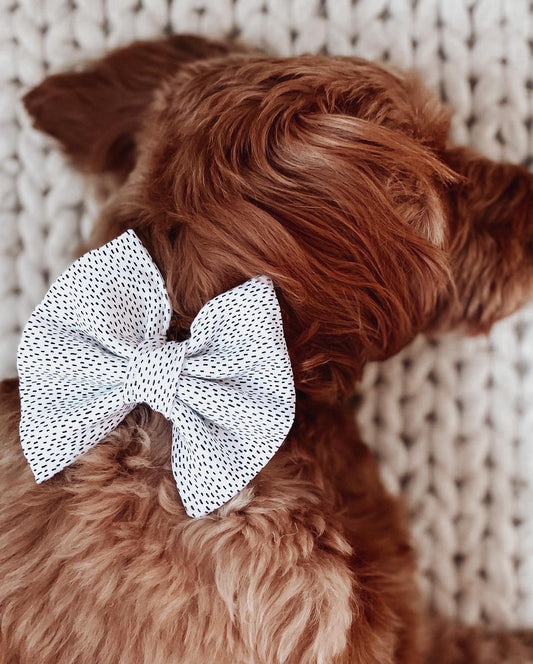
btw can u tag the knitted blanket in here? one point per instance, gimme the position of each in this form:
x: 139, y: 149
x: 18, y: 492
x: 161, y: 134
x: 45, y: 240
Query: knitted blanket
x: 451, y: 422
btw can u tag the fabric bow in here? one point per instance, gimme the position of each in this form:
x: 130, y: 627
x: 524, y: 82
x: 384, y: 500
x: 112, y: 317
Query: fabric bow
x: 96, y: 346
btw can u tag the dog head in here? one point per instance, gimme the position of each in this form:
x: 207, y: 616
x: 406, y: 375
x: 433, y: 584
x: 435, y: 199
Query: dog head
x: 330, y: 175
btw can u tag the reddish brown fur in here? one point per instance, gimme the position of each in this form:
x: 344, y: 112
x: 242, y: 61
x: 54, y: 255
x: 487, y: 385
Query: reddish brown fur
x: 334, y: 177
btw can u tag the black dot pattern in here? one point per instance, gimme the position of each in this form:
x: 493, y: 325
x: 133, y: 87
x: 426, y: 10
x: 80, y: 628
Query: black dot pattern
x: 96, y: 346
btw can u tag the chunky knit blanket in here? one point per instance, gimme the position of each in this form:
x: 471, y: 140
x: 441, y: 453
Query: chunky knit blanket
x: 451, y: 422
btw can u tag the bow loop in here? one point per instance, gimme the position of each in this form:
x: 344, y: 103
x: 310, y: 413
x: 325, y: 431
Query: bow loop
x: 158, y: 390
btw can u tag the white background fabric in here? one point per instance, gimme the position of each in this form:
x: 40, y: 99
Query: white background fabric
x: 451, y: 422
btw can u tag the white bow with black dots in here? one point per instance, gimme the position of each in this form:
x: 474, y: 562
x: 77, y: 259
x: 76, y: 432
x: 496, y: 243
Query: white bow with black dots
x: 96, y: 347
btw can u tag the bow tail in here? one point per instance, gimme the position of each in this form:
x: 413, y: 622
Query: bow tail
x: 211, y: 464
x: 53, y: 439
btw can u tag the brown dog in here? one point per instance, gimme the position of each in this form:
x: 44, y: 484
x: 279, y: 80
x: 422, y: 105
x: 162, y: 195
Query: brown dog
x: 334, y: 177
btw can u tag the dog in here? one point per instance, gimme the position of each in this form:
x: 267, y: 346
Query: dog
x: 333, y: 176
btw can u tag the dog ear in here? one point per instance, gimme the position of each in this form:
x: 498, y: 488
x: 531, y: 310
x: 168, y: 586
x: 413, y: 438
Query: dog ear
x: 262, y: 166
x: 96, y: 113
x: 343, y: 217
x: 491, y: 242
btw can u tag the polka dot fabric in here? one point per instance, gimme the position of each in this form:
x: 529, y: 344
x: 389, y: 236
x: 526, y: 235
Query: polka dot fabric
x: 96, y: 346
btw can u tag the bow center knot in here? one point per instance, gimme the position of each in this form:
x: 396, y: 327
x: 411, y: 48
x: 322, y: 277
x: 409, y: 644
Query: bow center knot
x: 153, y: 372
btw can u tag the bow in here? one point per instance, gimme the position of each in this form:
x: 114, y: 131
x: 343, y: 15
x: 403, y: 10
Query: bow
x: 96, y: 347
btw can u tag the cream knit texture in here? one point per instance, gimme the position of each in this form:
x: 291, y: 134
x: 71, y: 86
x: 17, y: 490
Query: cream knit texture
x: 452, y: 422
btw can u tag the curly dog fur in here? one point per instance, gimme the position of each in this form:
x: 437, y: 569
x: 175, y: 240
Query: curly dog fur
x: 333, y: 176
